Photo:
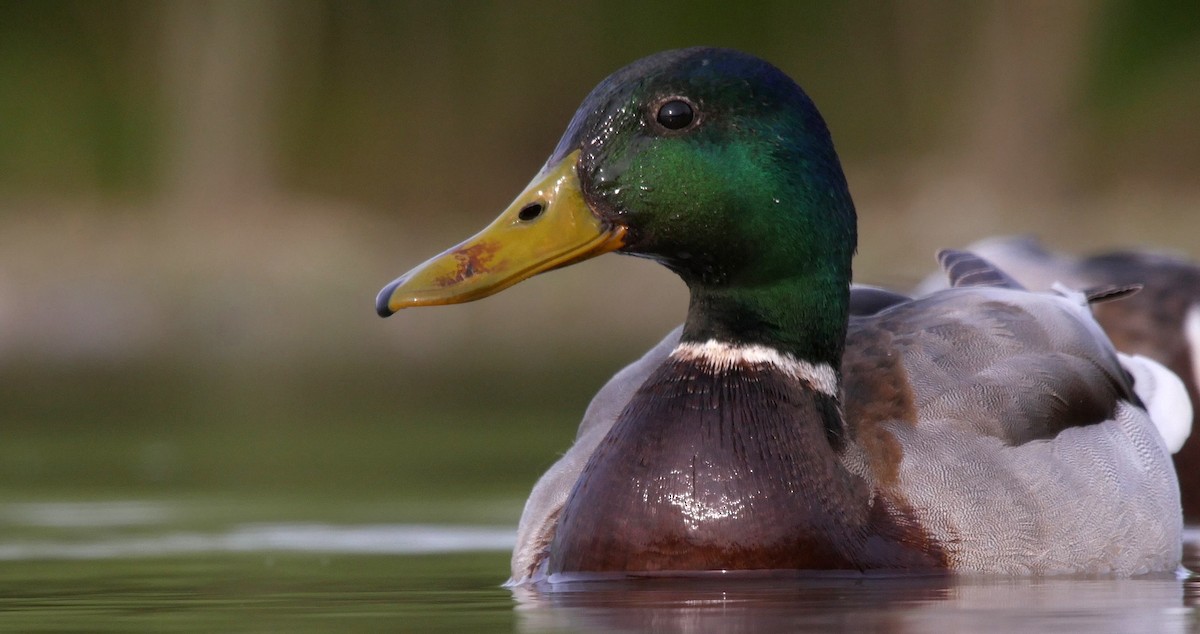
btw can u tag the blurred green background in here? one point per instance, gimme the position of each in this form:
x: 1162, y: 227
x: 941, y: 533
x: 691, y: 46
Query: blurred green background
x: 199, y: 201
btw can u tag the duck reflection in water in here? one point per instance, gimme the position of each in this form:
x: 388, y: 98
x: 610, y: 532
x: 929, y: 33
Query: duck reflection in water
x: 832, y: 602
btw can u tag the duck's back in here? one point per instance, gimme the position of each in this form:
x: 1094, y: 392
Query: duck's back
x: 1009, y: 426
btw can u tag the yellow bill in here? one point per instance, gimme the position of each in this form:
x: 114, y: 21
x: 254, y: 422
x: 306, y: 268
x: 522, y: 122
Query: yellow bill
x: 549, y: 225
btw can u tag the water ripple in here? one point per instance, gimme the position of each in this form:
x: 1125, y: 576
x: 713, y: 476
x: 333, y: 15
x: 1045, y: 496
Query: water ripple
x: 379, y: 539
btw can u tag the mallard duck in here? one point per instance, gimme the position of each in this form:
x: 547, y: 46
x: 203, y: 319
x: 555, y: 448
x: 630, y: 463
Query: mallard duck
x: 1162, y: 321
x: 981, y: 429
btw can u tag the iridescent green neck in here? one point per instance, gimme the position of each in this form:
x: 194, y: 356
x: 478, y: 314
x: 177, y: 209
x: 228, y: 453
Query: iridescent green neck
x: 770, y: 265
x: 804, y: 316
x: 782, y: 276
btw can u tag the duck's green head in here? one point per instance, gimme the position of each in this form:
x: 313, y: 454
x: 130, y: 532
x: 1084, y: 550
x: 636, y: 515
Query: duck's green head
x: 711, y: 161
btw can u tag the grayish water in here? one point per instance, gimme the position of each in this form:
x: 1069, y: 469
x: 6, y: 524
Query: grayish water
x: 132, y: 566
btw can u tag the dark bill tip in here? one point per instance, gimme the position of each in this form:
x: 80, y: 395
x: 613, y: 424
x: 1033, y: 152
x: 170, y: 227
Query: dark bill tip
x: 384, y: 297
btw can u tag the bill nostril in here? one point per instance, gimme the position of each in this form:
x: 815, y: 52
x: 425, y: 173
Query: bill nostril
x: 531, y: 211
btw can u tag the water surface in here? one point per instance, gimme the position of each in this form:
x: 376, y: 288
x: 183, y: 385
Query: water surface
x: 169, y: 503
x: 134, y: 566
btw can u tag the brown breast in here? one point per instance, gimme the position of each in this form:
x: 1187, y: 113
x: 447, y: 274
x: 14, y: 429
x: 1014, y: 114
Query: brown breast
x: 728, y: 470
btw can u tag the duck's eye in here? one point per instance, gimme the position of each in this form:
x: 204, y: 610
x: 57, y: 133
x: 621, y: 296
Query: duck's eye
x: 530, y: 211
x: 676, y: 114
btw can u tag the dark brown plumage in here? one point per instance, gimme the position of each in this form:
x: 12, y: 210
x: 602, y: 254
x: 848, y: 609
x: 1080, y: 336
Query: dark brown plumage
x: 735, y: 470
